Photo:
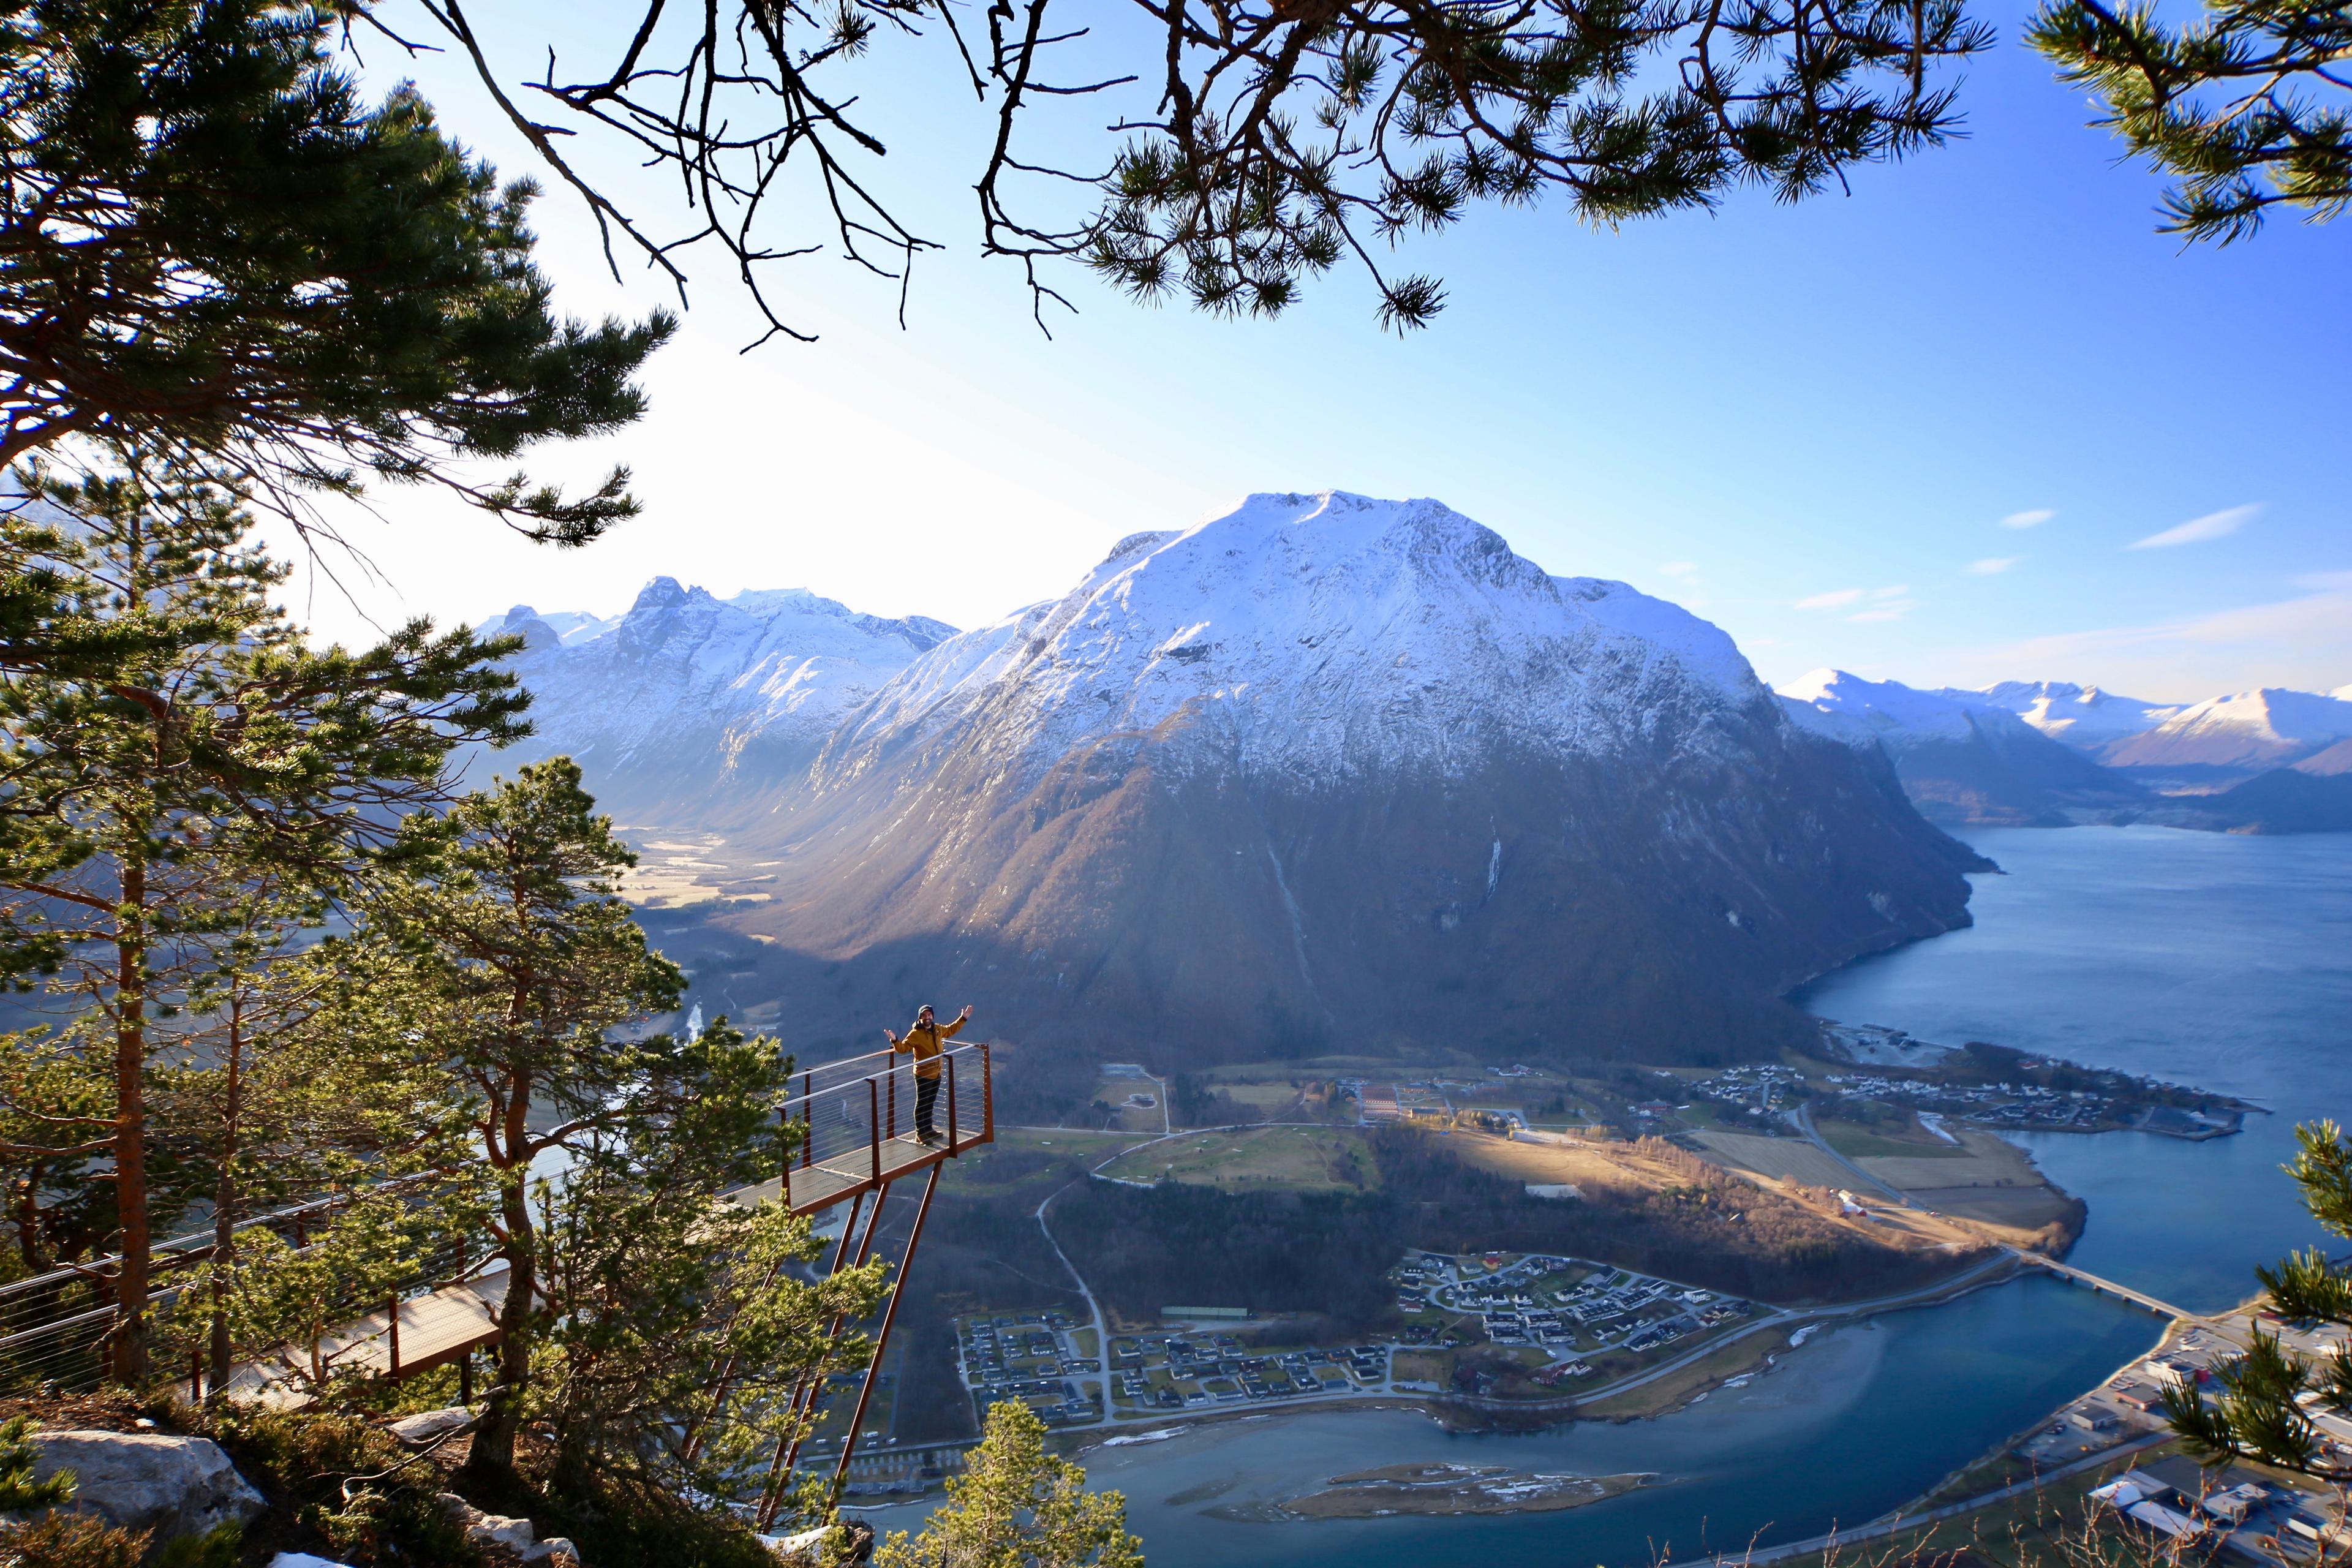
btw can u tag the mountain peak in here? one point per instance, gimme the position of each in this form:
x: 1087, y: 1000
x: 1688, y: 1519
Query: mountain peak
x: 1320, y: 635
x: 661, y: 594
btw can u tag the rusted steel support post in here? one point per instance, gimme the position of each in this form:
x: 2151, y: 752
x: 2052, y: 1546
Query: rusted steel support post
x: 987, y: 1097
x: 808, y: 1125
x: 874, y: 1126
x: 391, y: 1331
x: 882, y: 1339
x: 952, y: 1109
x: 805, y: 1395
x: 692, y: 1448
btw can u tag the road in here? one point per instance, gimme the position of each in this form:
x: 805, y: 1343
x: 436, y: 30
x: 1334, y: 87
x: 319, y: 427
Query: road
x: 1094, y: 1309
x: 1900, y: 1523
x: 1802, y: 1119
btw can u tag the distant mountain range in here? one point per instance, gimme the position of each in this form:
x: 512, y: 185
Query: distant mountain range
x: 2051, y: 753
x: 1325, y: 773
x: 691, y: 710
x: 1336, y: 773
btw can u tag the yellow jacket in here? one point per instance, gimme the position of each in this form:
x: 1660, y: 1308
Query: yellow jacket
x: 924, y: 1040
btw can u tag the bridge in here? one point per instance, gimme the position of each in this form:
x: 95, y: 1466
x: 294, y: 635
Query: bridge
x: 856, y: 1138
x: 2161, y: 1308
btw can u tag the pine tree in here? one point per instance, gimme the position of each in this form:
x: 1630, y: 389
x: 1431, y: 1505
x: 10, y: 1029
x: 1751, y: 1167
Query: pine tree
x: 679, y: 1322
x: 2244, y: 107
x: 507, y: 953
x: 212, y: 248
x: 19, y: 1492
x: 150, y: 794
x: 1016, y: 1503
x: 281, y: 1105
x: 2268, y: 1392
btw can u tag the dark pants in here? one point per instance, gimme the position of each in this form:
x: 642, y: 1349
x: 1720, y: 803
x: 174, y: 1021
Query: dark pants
x: 927, y: 1094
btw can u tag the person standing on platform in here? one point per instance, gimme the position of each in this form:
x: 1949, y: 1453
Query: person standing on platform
x: 923, y: 1040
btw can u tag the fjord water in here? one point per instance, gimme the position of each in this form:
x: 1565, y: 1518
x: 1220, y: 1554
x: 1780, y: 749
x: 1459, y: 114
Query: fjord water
x: 1858, y: 1420
x: 2217, y: 960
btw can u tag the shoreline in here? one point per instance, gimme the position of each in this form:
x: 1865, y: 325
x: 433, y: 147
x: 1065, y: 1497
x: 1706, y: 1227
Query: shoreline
x: 1798, y: 1323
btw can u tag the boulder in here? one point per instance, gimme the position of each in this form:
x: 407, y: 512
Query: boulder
x: 173, y: 1486
x: 503, y: 1533
x: 816, y: 1547
x: 430, y: 1426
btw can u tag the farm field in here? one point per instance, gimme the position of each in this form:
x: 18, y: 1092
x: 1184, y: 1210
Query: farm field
x: 1314, y: 1159
x: 1858, y: 1143
x: 1778, y: 1159
x: 1980, y: 1160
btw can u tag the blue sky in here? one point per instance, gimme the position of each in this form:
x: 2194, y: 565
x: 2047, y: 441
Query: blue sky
x: 1975, y: 421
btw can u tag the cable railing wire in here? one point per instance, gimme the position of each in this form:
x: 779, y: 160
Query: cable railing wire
x: 858, y: 1128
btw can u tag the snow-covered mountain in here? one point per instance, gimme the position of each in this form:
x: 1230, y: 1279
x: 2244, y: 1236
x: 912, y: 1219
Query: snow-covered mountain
x: 1329, y: 769
x: 2084, y: 717
x: 1259, y: 630
x: 1970, y: 756
x: 1995, y: 756
x: 689, y: 708
x: 2269, y: 728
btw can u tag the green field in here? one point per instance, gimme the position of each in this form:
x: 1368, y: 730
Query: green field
x: 1857, y: 1142
x: 1319, y: 1159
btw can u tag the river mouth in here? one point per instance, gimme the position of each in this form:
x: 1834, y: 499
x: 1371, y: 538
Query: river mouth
x: 1859, y: 1418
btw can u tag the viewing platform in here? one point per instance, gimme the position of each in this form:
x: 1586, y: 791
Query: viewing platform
x: 857, y: 1125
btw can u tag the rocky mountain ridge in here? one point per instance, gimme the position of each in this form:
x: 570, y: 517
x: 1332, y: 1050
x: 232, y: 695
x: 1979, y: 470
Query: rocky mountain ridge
x: 690, y: 709
x: 1966, y: 757
x: 1331, y: 771
x: 2051, y: 753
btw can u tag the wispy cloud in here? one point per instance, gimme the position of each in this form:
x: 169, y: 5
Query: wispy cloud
x: 2197, y: 530
x: 1994, y: 565
x: 1888, y: 606
x: 1896, y: 592
x: 1835, y: 599
x: 2300, y: 642
x: 2027, y: 518
x: 1679, y: 568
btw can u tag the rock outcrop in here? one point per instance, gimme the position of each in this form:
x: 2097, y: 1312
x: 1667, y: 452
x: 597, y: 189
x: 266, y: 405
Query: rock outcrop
x: 170, y: 1486
x: 503, y: 1534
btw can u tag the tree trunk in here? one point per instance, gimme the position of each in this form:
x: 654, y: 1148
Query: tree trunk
x: 494, y: 1441
x: 225, y: 1196
x: 130, y: 1280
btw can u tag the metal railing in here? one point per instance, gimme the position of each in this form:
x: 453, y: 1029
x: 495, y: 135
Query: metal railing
x: 54, y: 1325
x: 858, y: 1118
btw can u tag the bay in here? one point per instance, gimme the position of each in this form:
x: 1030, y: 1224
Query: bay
x: 2222, y: 961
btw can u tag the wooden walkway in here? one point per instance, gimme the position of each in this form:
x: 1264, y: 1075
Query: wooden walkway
x: 424, y: 1332
x: 851, y: 1113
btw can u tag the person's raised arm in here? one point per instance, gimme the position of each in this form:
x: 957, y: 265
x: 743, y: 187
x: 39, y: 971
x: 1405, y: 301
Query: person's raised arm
x: 895, y: 1045
x: 949, y: 1031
